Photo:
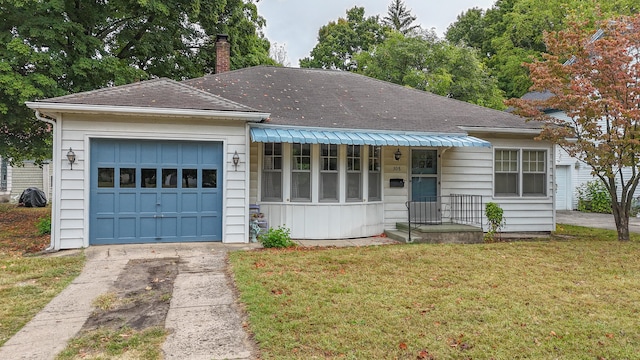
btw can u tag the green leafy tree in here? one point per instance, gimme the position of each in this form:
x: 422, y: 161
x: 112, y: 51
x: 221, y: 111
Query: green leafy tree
x: 339, y: 41
x: 52, y: 48
x: 511, y: 32
x: 599, y: 91
x: 399, y: 18
x: 424, y: 62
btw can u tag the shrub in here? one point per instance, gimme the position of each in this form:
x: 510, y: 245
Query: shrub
x: 277, y: 238
x: 495, y: 219
x: 594, y: 197
x: 44, y: 226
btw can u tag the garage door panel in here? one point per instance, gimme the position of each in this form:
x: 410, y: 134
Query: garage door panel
x: 189, y: 202
x: 189, y: 226
x: 148, y: 153
x: 155, y: 191
x: 169, y: 153
x: 105, y: 227
x: 105, y: 203
x: 127, y: 227
x: 169, y: 226
x: 127, y: 202
x: 209, y: 202
x: 148, y: 202
x: 190, y: 154
x: 169, y: 202
x: 105, y: 153
x: 208, y: 225
x: 128, y: 153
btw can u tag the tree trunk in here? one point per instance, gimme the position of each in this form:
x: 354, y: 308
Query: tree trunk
x: 621, y: 216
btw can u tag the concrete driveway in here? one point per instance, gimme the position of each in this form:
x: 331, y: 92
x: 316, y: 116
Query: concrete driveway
x: 603, y: 221
x: 204, y: 319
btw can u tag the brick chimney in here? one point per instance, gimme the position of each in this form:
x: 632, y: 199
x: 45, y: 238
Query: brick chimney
x: 223, y: 54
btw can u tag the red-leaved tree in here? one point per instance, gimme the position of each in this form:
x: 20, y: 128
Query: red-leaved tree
x: 595, y: 80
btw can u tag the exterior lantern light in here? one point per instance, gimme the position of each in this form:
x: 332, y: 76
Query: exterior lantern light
x: 236, y: 160
x: 71, y: 156
x: 397, y: 154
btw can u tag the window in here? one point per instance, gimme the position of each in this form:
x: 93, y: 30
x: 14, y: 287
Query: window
x: 300, y: 172
x: 210, y: 178
x: 354, y: 173
x: 272, y: 172
x: 127, y: 177
x: 520, y: 173
x: 534, y: 173
x: 506, y: 173
x: 329, y: 172
x: 374, y: 173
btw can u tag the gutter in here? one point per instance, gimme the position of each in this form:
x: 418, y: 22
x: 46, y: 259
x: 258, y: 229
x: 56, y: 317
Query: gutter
x: 149, y: 111
x: 494, y: 130
x: 54, y: 205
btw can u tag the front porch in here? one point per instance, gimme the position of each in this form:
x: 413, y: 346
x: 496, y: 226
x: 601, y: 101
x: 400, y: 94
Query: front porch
x: 455, y: 218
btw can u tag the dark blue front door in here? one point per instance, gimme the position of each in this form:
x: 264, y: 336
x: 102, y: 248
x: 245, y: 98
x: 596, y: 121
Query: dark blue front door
x: 155, y: 191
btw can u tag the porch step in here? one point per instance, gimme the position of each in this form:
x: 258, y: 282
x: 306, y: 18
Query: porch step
x: 437, y: 234
x: 403, y: 236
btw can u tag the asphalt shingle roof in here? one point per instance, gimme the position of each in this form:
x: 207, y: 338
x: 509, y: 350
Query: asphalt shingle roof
x: 337, y: 99
x: 156, y: 93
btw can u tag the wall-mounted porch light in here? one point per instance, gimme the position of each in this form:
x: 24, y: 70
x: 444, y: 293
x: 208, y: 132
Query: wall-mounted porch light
x: 397, y: 155
x: 236, y: 160
x: 71, y: 156
x: 576, y: 165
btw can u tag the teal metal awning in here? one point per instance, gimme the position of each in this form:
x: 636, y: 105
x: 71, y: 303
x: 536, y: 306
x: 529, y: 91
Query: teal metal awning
x: 334, y: 136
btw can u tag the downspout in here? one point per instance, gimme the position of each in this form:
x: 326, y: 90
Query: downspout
x: 56, y: 162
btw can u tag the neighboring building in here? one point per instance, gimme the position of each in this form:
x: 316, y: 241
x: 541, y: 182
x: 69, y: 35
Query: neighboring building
x: 5, y: 180
x: 329, y: 154
x: 15, y: 179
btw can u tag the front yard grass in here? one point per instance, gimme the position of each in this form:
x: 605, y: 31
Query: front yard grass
x: 28, y: 283
x: 561, y: 299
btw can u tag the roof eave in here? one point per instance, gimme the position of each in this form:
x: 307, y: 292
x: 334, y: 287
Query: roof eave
x: 52, y: 109
x: 500, y: 130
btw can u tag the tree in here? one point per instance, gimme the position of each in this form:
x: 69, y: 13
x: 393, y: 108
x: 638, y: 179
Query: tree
x: 597, y: 84
x: 279, y: 54
x: 511, y: 32
x: 427, y: 63
x: 52, y: 48
x: 399, y: 18
x: 339, y: 41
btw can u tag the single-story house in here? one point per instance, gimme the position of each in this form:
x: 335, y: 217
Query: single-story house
x: 328, y: 154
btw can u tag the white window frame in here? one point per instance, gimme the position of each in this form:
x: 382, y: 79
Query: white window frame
x: 327, y: 167
x: 272, y: 169
x: 367, y: 156
x: 521, y: 172
x: 302, y: 171
x: 350, y: 171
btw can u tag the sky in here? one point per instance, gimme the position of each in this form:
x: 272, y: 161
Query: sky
x: 294, y: 24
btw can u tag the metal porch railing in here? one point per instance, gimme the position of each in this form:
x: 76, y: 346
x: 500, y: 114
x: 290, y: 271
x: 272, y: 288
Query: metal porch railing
x: 436, y: 210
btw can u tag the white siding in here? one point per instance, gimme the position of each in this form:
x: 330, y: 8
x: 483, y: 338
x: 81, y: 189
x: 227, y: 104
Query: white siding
x: 73, y: 185
x: 469, y: 170
x: 524, y: 214
x: 326, y: 221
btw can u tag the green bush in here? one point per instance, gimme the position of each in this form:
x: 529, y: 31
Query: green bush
x: 593, y: 196
x: 276, y: 238
x: 44, y: 226
x: 495, y: 218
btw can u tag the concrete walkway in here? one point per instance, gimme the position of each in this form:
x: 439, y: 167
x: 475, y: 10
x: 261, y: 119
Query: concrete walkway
x: 204, y: 319
x: 602, y: 221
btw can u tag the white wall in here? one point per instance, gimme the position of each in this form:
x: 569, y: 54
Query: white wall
x: 71, y: 188
x: 469, y: 170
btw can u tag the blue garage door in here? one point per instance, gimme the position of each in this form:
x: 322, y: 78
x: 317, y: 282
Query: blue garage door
x: 155, y: 191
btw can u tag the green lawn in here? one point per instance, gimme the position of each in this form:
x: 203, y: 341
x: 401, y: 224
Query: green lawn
x: 27, y: 282
x: 562, y: 299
